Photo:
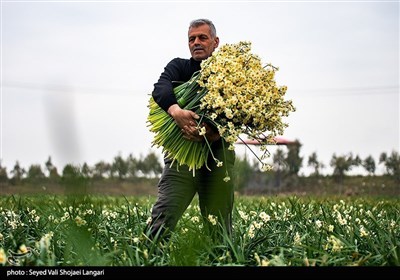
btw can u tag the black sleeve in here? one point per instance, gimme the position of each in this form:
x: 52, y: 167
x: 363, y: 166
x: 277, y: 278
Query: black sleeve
x: 163, y: 90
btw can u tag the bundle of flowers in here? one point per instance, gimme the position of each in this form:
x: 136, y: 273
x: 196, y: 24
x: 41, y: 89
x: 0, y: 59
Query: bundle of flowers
x: 235, y: 93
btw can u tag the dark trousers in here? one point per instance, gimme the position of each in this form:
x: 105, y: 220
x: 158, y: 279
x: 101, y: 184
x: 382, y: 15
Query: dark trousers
x: 177, y: 188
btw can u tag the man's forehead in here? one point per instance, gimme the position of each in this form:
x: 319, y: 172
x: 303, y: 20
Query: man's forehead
x: 199, y: 30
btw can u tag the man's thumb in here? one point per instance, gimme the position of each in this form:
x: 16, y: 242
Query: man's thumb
x: 194, y: 115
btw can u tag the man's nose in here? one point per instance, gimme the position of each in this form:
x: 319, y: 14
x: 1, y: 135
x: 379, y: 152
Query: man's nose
x: 196, y: 41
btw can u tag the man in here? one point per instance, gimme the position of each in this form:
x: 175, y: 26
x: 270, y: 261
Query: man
x: 177, y: 187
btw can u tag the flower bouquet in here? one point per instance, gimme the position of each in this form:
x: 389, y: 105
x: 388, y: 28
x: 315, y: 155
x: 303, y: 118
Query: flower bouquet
x: 234, y: 93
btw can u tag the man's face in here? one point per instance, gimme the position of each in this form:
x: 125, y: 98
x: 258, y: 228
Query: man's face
x: 201, y: 44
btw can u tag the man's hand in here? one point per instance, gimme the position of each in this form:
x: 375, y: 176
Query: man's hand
x: 211, y: 135
x: 185, y: 119
x: 193, y: 133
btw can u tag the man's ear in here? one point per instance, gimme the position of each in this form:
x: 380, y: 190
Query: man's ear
x: 216, y: 42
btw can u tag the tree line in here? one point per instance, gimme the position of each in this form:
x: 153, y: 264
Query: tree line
x: 286, y: 164
x: 119, y: 168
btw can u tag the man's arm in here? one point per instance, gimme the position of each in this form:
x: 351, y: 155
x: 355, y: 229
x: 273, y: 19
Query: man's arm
x: 163, y: 92
x: 164, y: 96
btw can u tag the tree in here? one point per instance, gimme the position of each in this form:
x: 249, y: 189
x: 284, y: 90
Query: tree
x: 52, y: 170
x: 293, y: 159
x: 369, y: 165
x: 18, y: 172
x: 73, y: 178
x: 86, y: 170
x: 313, y: 162
x: 101, y: 169
x: 151, y: 165
x: 70, y: 171
x: 279, y: 165
x: 392, y: 164
x: 357, y: 161
x: 54, y: 174
x: 119, y: 167
x: 35, y: 173
x: 341, y: 165
x: 132, y: 166
x: 242, y: 173
x: 3, y: 174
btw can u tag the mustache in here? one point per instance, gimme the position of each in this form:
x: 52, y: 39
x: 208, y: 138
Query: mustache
x: 198, y: 48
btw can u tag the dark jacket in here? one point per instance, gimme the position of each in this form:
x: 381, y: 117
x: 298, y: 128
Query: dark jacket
x: 177, y: 70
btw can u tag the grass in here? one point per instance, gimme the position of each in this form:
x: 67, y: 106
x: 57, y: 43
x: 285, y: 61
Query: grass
x: 94, y: 230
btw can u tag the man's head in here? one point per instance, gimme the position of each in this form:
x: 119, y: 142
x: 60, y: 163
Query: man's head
x: 203, y: 38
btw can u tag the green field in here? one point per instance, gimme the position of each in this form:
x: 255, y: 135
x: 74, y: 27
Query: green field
x: 95, y: 230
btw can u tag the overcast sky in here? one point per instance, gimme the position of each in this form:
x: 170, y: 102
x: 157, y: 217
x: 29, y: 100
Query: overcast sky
x: 76, y: 76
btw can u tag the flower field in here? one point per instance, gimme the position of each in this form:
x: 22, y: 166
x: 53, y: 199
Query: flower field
x: 49, y: 230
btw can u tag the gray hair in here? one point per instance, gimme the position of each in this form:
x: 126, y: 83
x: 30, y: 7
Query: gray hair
x: 201, y: 21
